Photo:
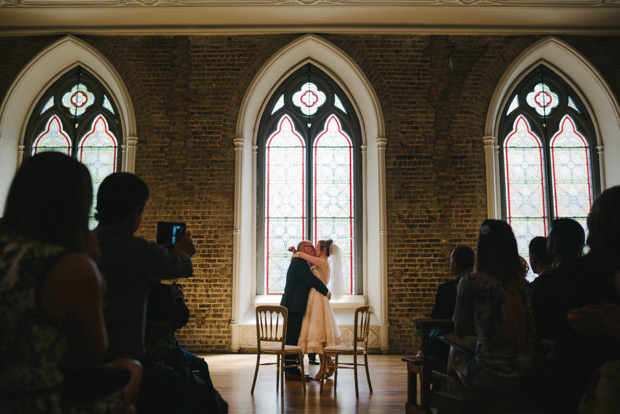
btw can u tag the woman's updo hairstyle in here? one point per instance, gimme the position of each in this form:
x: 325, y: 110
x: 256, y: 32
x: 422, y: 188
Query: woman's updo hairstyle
x: 326, y: 244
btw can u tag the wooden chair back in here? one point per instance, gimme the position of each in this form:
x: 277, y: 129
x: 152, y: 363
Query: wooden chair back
x: 361, y: 325
x: 271, y: 324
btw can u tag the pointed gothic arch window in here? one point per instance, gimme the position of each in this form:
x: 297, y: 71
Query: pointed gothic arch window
x: 77, y: 116
x: 309, y: 161
x: 548, y: 168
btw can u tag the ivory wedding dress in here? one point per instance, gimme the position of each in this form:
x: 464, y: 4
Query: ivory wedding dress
x: 319, y: 328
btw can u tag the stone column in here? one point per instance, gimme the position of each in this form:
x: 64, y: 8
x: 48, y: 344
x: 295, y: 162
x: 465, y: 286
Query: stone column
x: 129, y: 154
x: 234, y: 322
x: 601, y: 166
x: 384, y: 326
x: 491, y: 161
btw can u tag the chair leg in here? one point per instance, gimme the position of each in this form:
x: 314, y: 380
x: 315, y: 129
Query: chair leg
x: 357, y: 393
x: 336, y: 373
x: 367, y: 371
x: 279, y: 382
x: 325, y: 359
x: 303, y: 374
x: 255, y: 372
x: 280, y: 373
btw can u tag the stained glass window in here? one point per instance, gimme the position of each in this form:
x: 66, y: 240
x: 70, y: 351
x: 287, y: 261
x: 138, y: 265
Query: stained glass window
x: 571, y: 172
x: 333, y: 193
x: 542, y: 99
x: 48, y: 105
x: 338, y: 104
x: 525, y: 186
x: 107, y: 105
x: 53, y: 138
x: 309, y: 98
x: 307, y: 166
x: 513, y: 105
x: 284, y: 200
x: 76, y: 117
x: 547, y: 167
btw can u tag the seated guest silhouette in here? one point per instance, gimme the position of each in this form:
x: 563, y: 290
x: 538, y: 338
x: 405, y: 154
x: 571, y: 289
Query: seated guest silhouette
x: 590, y: 281
x: 565, y: 245
x: 183, y: 375
x: 51, y: 324
x: 128, y: 263
x: 540, y: 261
x: 461, y: 263
x: 492, y: 318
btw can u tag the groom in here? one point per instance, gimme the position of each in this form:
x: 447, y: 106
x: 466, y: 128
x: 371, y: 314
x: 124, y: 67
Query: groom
x: 299, y: 281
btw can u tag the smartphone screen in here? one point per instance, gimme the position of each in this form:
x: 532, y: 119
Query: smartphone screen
x: 169, y: 233
x: 178, y: 230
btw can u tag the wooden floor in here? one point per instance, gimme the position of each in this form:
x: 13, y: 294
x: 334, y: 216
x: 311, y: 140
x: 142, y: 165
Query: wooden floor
x: 232, y: 376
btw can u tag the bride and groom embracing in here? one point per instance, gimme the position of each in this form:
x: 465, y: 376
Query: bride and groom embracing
x: 311, y: 321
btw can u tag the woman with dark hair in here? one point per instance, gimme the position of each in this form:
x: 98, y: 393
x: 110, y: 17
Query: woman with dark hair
x: 51, y: 322
x: 493, y: 311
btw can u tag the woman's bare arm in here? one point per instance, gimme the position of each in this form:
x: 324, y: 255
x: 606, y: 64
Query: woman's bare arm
x: 309, y: 258
x: 72, y: 294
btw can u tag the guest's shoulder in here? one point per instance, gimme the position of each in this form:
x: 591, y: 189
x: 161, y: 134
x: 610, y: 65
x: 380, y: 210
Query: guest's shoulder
x: 478, y: 280
x: 451, y: 284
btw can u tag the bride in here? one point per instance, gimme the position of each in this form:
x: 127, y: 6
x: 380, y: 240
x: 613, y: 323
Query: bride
x: 319, y: 328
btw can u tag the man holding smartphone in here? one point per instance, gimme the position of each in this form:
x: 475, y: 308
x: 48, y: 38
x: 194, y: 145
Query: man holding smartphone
x: 128, y: 263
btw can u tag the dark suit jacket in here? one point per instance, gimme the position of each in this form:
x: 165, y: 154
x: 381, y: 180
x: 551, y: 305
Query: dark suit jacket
x: 299, y: 281
x: 445, y: 299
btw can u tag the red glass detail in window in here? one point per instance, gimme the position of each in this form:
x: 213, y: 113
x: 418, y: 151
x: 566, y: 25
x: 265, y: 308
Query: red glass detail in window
x: 79, y: 99
x: 97, y: 137
x: 53, y: 137
x: 309, y: 99
x: 334, y: 125
x: 567, y: 124
x: 286, y: 125
x: 543, y: 99
x: 521, y: 125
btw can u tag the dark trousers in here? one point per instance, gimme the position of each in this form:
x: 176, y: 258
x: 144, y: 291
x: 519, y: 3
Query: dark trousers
x: 293, y: 329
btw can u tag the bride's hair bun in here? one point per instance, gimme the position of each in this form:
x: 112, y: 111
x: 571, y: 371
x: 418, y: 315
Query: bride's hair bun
x: 328, y: 245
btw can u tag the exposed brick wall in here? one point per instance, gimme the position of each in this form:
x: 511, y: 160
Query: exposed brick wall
x: 434, y: 92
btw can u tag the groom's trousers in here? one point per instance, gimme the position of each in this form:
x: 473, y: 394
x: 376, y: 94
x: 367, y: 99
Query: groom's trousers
x: 293, y: 329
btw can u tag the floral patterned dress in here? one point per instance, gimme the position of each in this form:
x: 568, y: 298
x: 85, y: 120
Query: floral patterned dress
x: 498, y: 362
x: 33, y: 349
x: 318, y: 327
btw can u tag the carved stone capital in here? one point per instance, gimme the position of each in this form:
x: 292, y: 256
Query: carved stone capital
x: 381, y: 143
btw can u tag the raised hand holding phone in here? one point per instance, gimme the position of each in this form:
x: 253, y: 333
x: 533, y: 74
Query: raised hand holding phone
x: 185, y: 245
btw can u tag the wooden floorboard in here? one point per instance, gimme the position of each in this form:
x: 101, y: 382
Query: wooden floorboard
x: 232, y: 376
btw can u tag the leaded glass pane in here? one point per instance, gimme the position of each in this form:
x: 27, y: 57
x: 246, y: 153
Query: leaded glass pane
x: 525, y: 229
x: 53, y: 138
x: 48, y: 105
x: 309, y: 98
x: 542, y: 99
x: 525, y: 190
x: 284, y: 201
x: 78, y: 99
x: 513, y: 105
x: 279, y: 104
x: 571, y: 171
x: 572, y: 104
x: 97, y: 150
x: 281, y: 233
x: 333, y: 193
x: 107, y: 105
x: 338, y: 104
